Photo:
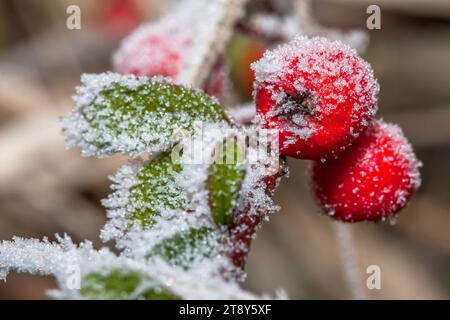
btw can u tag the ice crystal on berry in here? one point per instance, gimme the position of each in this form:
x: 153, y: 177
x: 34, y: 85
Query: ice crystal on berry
x: 372, y: 180
x: 320, y: 95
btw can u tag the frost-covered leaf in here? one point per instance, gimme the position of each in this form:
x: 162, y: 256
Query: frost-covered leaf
x: 132, y: 279
x: 127, y: 114
x: 156, y: 190
x: 142, y: 192
x: 187, y: 248
x: 40, y: 257
x: 224, y: 181
x: 120, y: 284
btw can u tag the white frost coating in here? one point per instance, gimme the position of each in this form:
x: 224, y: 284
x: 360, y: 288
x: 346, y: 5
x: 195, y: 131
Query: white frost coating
x: 196, y: 160
x: 146, y: 50
x: 121, y: 205
x: 62, y: 258
x: 117, y: 203
x: 79, y: 132
x: 206, y: 280
x: 193, y: 177
x: 211, y: 32
x: 326, y: 78
x: 39, y: 257
x: 273, y: 64
x: 403, y: 156
x: 382, y: 174
x: 103, y: 124
x: 253, y: 197
x: 130, y: 235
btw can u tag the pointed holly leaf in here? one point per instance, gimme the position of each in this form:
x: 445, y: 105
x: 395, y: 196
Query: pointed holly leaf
x: 184, y: 249
x: 120, y: 284
x: 127, y: 114
x: 224, y: 181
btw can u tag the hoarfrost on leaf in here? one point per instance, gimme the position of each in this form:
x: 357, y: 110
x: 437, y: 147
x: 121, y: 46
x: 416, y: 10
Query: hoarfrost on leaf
x: 131, y: 115
x: 103, y: 275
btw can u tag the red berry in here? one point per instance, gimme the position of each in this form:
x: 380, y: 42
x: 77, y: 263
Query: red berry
x: 320, y: 94
x: 162, y: 48
x: 372, y: 180
x: 120, y: 16
x: 154, y: 49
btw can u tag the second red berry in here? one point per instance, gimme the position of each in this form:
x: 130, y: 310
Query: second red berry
x: 372, y: 180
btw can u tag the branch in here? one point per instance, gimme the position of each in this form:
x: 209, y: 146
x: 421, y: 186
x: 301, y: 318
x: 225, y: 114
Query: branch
x: 349, y: 263
x: 216, y: 25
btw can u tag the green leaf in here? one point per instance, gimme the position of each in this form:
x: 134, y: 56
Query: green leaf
x: 187, y: 248
x: 142, y: 191
x: 224, y: 182
x: 124, y: 114
x: 119, y: 284
x: 156, y: 190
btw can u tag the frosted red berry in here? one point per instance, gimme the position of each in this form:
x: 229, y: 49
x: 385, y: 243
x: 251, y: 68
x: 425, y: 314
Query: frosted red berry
x: 162, y: 48
x: 118, y: 17
x: 320, y: 94
x: 154, y: 49
x: 370, y: 181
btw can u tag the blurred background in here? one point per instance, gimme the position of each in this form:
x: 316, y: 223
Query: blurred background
x: 45, y: 189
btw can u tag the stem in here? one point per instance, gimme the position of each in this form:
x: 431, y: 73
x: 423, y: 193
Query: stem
x: 349, y: 263
x: 246, y: 224
x: 207, y: 48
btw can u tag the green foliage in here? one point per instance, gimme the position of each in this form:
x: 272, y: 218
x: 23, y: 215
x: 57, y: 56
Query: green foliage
x: 119, y: 284
x: 224, y: 182
x: 156, y: 190
x: 133, y: 115
x: 186, y: 248
x: 130, y: 115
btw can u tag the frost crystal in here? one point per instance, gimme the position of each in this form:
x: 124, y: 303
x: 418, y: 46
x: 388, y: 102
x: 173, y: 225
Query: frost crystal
x: 39, y: 257
x: 74, y: 267
x: 319, y: 90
